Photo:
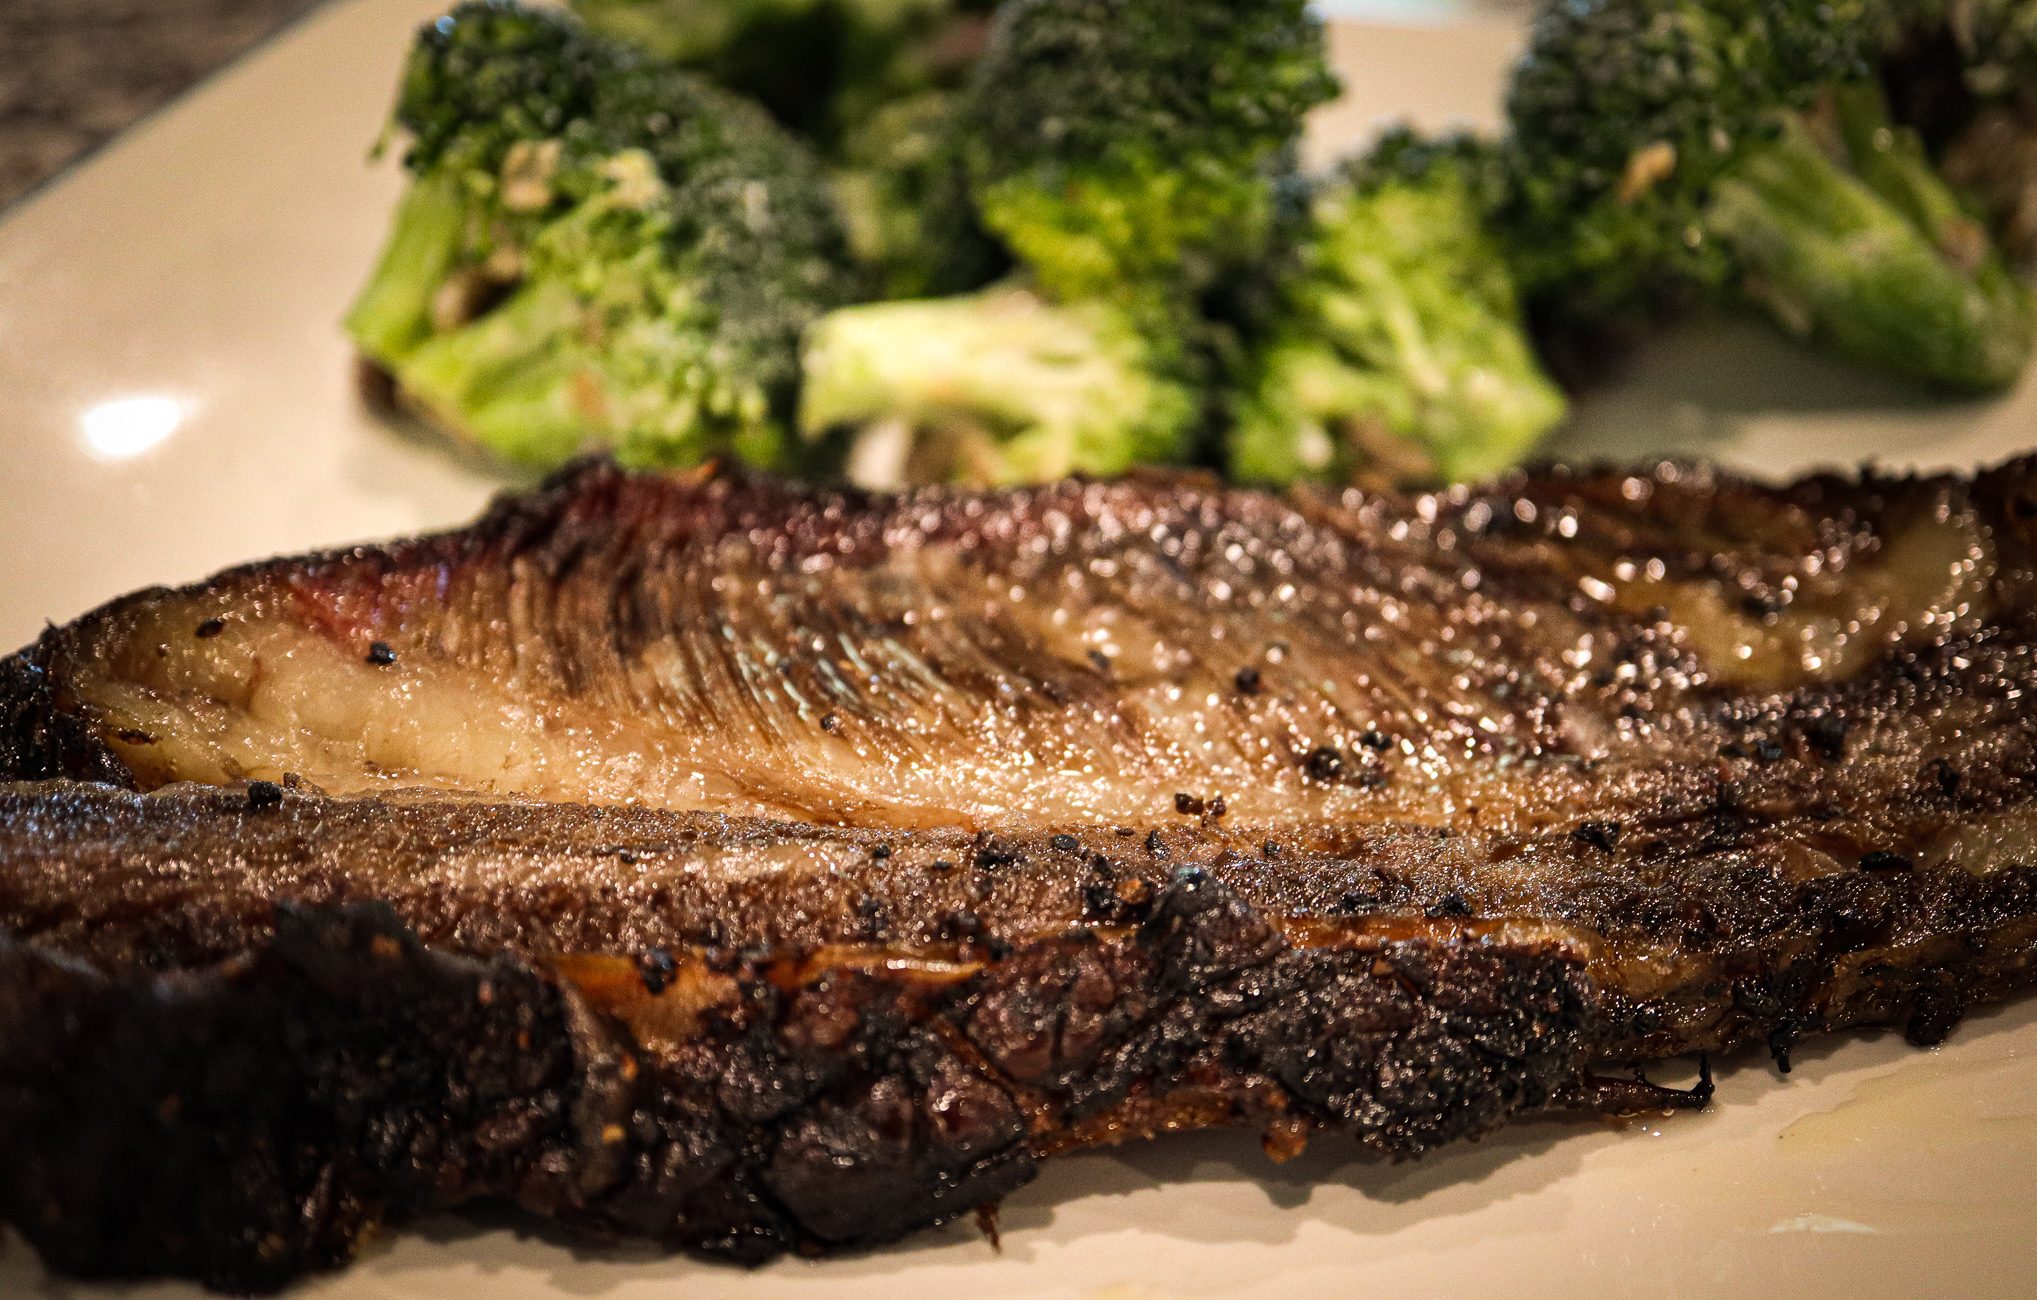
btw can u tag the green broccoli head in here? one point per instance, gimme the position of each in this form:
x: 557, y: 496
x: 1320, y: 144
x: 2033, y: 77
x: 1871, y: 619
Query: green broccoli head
x: 1841, y: 229
x: 782, y: 53
x: 1970, y: 84
x: 1998, y: 41
x: 816, y: 64
x: 1123, y: 141
x: 1667, y: 148
x: 1000, y: 387
x: 1623, y: 113
x: 596, y: 250
x: 1396, y: 345
x: 906, y: 201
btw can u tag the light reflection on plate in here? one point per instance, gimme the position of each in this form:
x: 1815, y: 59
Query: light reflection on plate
x: 122, y: 428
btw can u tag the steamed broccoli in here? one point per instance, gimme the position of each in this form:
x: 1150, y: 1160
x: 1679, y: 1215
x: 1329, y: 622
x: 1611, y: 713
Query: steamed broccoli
x: 1969, y: 83
x: 1998, y: 42
x: 1873, y: 254
x: 907, y: 204
x: 1123, y: 152
x: 1112, y: 142
x: 999, y: 387
x: 873, y: 83
x: 595, y: 250
x: 816, y: 64
x: 783, y: 53
x: 1396, y: 344
x: 1732, y: 148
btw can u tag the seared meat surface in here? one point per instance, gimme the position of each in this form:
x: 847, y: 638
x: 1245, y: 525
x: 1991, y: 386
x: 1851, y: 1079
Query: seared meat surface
x: 1083, y: 653
x: 754, y: 869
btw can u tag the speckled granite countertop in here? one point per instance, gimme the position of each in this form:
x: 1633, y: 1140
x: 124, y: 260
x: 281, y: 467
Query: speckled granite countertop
x: 74, y: 72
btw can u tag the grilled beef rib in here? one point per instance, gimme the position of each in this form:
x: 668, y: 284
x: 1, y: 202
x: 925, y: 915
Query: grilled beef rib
x: 756, y: 869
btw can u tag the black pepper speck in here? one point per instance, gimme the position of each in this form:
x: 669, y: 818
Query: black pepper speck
x: 1826, y: 735
x: 990, y: 855
x: 1602, y: 836
x: 1947, y: 776
x: 657, y: 968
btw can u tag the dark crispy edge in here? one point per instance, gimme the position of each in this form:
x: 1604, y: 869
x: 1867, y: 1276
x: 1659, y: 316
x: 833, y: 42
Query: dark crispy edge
x: 42, y: 736
x: 247, y: 1123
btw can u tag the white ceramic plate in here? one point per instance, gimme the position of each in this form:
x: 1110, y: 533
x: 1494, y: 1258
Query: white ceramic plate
x: 175, y: 397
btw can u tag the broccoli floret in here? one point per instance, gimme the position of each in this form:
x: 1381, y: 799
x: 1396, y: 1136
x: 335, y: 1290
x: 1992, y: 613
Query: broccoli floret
x: 783, y: 53
x: 1396, y: 345
x: 1665, y: 151
x: 1112, y: 142
x: 1968, y: 83
x: 1123, y: 152
x: 1873, y: 255
x: 1999, y: 41
x: 596, y: 250
x: 907, y: 203
x: 999, y: 387
x: 818, y: 65
x: 1625, y: 111
x: 895, y: 50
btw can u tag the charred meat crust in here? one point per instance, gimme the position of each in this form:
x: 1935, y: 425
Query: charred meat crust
x: 246, y: 1123
x: 1547, y: 823
x: 244, y: 1118
x: 43, y: 737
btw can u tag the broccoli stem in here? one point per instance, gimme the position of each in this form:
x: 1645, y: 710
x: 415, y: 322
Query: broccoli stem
x: 516, y: 380
x: 992, y: 388
x: 393, y: 314
x: 1857, y: 243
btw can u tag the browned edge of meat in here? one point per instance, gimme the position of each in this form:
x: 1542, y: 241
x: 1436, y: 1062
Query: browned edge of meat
x: 244, y: 1121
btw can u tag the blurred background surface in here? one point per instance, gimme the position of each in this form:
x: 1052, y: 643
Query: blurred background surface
x: 74, y: 72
